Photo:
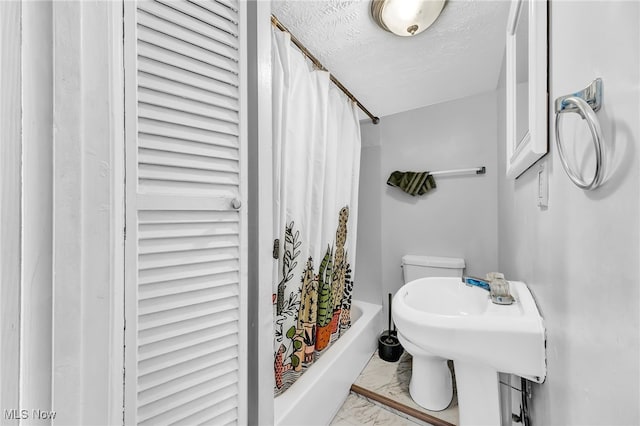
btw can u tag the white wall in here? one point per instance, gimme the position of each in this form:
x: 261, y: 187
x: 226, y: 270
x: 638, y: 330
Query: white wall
x: 368, y: 273
x: 10, y: 204
x: 581, y: 256
x: 458, y: 218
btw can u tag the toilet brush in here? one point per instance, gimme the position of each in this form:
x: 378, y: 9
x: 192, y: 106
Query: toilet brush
x: 389, y: 348
x: 389, y: 338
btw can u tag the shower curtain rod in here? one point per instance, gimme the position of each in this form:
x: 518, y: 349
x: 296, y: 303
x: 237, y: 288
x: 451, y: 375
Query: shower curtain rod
x: 276, y: 23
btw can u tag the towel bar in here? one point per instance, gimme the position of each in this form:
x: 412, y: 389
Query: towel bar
x: 477, y: 170
x: 585, y: 103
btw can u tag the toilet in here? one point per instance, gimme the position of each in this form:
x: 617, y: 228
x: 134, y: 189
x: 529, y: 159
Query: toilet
x: 431, y: 384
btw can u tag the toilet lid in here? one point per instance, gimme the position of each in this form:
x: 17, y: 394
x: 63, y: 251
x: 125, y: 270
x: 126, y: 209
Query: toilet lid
x: 433, y: 261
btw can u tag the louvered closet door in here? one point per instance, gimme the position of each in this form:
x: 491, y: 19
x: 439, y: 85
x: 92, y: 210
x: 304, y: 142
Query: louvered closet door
x: 186, y: 234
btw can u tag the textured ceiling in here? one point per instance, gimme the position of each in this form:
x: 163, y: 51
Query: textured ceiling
x: 460, y: 55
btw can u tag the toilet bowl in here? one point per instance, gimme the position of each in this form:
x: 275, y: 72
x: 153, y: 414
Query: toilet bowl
x: 432, y: 370
x: 431, y: 383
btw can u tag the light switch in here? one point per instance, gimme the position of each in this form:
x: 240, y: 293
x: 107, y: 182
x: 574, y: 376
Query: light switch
x: 543, y: 187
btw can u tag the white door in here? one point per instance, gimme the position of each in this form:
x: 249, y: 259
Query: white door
x: 185, y: 305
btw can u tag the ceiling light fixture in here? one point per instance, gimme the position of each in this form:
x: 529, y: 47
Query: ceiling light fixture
x: 406, y: 17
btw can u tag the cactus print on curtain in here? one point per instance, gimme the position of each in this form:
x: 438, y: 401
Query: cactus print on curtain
x: 316, y: 150
x: 320, y: 307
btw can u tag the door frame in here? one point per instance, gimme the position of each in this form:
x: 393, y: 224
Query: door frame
x: 261, y: 229
x: 88, y: 213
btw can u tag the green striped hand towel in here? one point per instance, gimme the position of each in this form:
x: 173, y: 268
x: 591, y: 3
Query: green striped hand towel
x: 413, y: 183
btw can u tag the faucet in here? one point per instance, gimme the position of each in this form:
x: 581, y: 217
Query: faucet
x: 495, y: 284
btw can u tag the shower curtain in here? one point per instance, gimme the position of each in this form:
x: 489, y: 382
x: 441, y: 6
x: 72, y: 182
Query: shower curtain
x: 316, y: 138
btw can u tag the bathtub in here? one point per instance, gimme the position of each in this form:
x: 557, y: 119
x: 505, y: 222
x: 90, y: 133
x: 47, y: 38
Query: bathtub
x: 318, y: 394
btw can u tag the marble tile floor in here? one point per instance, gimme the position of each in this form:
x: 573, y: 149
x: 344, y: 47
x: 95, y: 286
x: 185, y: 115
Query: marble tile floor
x: 358, y: 410
x: 390, y: 380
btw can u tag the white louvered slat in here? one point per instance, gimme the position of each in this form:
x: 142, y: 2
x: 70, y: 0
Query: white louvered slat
x: 192, y: 9
x: 163, y: 260
x: 170, y: 174
x: 181, y: 342
x: 191, y: 395
x: 178, y: 82
x: 183, y: 326
x: 181, y: 272
x: 159, y: 128
x: 231, y: 4
x: 192, y: 23
x: 187, y: 35
x: 186, y: 216
x: 221, y: 10
x: 174, y: 382
x: 169, y: 58
x: 175, y: 371
x: 198, y: 229
x: 160, y: 245
x: 165, y: 401
x: 174, y: 202
x: 161, y: 143
x: 183, y: 404
x: 182, y: 118
x: 225, y: 347
x: 158, y: 174
x: 178, y: 286
x: 185, y: 166
x: 183, y: 48
x: 178, y: 186
x: 222, y: 414
x: 185, y: 174
x: 187, y: 161
x: 221, y: 296
x: 159, y: 99
x: 185, y: 313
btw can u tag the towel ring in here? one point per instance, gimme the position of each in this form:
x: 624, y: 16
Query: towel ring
x: 587, y: 113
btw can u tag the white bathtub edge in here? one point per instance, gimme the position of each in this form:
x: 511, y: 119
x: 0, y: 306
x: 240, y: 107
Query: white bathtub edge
x: 317, y: 395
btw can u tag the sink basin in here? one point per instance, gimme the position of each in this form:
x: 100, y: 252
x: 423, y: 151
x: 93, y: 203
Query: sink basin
x: 452, y: 320
x: 438, y: 296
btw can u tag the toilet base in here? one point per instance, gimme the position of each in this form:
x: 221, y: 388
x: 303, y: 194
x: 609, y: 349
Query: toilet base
x: 431, y: 385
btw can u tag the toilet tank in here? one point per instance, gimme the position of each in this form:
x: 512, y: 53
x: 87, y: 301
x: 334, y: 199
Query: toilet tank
x: 414, y: 267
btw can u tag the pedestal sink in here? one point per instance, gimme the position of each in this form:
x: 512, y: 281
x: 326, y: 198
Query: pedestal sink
x: 449, y: 319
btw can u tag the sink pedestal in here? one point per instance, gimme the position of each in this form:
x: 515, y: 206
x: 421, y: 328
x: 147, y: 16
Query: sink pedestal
x: 478, y: 394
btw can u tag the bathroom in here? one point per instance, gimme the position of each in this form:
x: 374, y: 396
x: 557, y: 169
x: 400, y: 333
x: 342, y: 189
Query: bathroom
x: 66, y: 264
